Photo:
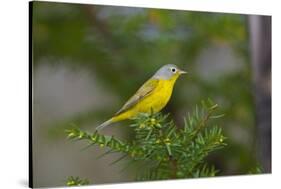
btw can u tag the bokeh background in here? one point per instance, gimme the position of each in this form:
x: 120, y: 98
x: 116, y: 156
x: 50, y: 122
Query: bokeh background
x: 88, y: 60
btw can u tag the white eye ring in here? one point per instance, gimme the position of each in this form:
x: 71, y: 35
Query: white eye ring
x: 173, y: 70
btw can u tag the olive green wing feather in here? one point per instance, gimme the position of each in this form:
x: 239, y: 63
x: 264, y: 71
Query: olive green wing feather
x: 145, y: 90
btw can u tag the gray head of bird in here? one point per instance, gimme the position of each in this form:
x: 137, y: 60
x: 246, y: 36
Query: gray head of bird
x: 168, y: 71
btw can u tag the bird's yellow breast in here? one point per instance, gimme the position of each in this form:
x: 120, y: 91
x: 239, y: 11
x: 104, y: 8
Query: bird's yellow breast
x: 156, y: 100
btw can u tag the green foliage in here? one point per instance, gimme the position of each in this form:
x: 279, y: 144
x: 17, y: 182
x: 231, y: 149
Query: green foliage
x: 76, y: 181
x: 256, y: 170
x: 172, y: 152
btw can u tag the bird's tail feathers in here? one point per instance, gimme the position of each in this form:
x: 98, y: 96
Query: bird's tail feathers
x: 104, y: 124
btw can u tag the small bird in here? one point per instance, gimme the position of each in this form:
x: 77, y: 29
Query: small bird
x: 153, y: 95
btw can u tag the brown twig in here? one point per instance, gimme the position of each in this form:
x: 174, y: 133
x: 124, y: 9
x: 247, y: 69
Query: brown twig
x: 174, y: 167
x: 203, y: 122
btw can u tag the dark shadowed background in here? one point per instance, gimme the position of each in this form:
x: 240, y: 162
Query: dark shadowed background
x: 88, y: 60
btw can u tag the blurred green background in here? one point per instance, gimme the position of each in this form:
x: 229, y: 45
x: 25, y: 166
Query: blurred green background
x: 88, y: 60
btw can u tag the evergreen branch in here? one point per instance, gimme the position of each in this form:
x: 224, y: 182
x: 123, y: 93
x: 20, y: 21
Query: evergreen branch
x: 202, y: 122
x: 76, y: 181
x: 166, y: 151
x: 98, y: 139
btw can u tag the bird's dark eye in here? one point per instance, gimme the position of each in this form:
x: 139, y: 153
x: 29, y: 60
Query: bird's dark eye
x: 173, y: 70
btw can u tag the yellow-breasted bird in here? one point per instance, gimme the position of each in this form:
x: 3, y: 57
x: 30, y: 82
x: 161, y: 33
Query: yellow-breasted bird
x: 153, y: 95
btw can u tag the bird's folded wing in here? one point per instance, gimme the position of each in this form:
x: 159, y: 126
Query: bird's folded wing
x: 146, y: 89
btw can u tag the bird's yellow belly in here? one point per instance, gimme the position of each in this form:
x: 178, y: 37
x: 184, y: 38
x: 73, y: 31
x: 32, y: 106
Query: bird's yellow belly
x: 155, y: 101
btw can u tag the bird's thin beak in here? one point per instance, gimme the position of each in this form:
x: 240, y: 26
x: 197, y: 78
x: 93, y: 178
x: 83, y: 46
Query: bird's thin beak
x: 182, y: 72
